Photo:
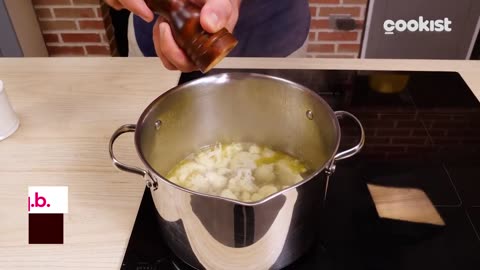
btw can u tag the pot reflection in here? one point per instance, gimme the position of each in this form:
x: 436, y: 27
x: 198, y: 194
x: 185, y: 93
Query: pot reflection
x: 220, y: 234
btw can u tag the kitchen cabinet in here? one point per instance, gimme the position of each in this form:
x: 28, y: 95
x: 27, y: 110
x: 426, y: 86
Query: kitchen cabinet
x: 9, y: 45
x: 20, y: 34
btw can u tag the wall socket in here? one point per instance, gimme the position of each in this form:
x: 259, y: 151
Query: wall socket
x: 342, y: 22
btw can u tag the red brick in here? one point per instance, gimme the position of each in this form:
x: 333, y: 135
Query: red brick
x: 449, y: 124
x: 81, y: 37
x: 348, y: 48
x: 86, y: 2
x: 324, y: 1
x: 91, y: 24
x: 435, y: 116
x: 374, y: 155
x: 107, y: 20
x: 319, y: 24
x: 369, y: 131
x: 401, y: 156
x: 103, y: 11
x: 74, y: 12
x: 312, y: 36
x: 420, y: 148
x: 110, y: 32
x: 409, y: 141
x: 65, y: 50
x: 337, y: 36
x: 396, y: 116
x: 367, y: 115
x: 97, y: 50
x: 313, y: 11
x: 378, y: 123
x: 446, y: 141
x: 57, y: 25
x: 419, y: 132
x: 437, y: 132
x: 462, y: 133
x: 104, y: 38
x: 321, y: 48
x: 50, y: 2
x: 49, y: 38
x: 409, y: 124
x: 327, y: 11
x: 363, y: 2
x: 43, y: 13
x: 393, y: 132
x: 392, y: 148
x: 471, y: 141
x: 378, y: 140
x: 359, y: 24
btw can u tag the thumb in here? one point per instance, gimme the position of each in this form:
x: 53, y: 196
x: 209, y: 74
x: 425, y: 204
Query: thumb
x: 215, y: 15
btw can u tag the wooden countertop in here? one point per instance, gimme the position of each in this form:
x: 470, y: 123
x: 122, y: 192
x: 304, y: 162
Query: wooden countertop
x: 68, y: 109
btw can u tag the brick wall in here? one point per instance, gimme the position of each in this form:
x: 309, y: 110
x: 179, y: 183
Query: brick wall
x: 75, y: 27
x: 83, y: 27
x: 327, y: 42
x: 411, y: 134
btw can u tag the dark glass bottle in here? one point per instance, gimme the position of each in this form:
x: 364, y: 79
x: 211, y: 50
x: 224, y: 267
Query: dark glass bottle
x: 204, y: 49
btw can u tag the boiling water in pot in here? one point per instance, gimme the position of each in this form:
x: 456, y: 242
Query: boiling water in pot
x: 240, y: 171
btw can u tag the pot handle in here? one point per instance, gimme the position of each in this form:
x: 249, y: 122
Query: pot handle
x: 354, y: 150
x: 119, y: 165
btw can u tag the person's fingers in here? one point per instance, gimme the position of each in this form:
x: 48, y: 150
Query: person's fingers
x: 157, y: 44
x: 115, y: 4
x: 216, y: 14
x: 139, y: 8
x: 170, y: 50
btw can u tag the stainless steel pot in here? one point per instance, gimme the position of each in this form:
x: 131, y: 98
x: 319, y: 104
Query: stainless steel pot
x: 210, y: 232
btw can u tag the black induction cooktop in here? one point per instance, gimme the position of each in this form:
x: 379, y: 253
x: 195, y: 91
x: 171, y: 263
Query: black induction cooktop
x: 422, y: 133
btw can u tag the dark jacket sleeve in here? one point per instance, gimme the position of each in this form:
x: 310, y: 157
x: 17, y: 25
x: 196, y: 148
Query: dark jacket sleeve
x: 266, y: 28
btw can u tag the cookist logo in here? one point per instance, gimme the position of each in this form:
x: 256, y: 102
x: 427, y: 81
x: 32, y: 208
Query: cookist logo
x: 420, y: 25
x: 46, y: 206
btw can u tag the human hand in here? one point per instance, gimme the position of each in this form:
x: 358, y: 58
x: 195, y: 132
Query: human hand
x: 138, y: 7
x: 214, y: 15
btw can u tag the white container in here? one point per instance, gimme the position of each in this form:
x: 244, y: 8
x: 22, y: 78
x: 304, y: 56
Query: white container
x: 8, y: 118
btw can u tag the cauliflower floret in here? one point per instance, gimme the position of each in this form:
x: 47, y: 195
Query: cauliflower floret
x: 266, y: 191
x: 213, y: 158
x: 199, y: 182
x: 217, y: 181
x: 285, y: 174
x: 187, y: 169
x: 174, y: 180
x: 228, y: 194
x: 236, y: 171
x: 264, y: 173
x: 245, y: 196
x: 207, y: 159
x: 243, y: 160
x: 224, y: 171
x: 242, y: 181
x: 230, y: 150
x: 267, y: 152
x: 254, y: 149
x: 256, y: 197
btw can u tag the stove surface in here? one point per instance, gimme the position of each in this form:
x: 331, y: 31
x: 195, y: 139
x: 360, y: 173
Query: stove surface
x: 423, y: 133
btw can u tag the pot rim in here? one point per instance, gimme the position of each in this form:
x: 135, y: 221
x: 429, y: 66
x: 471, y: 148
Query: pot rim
x: 221, y: 77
